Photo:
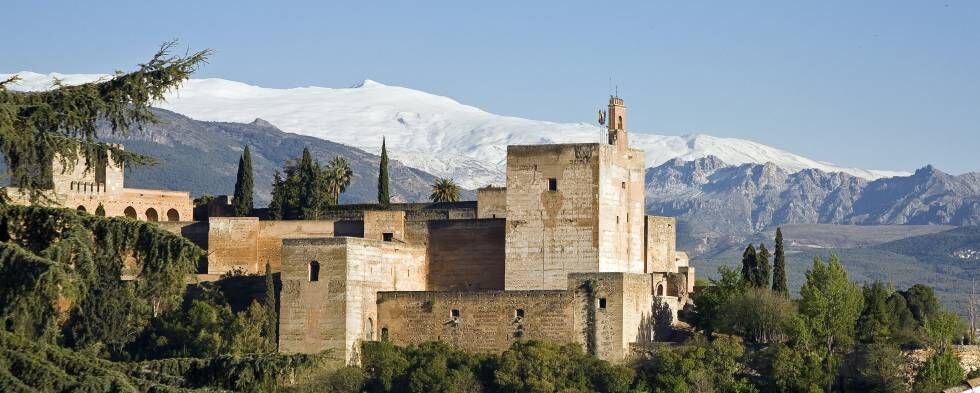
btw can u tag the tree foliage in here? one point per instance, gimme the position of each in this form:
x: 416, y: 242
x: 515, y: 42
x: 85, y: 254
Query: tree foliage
x: 444, y: 190
x: 779, y: 265
x: 383, y: 197
x: 304, y: 189
x: 242, y: 201
x: 37, y: 127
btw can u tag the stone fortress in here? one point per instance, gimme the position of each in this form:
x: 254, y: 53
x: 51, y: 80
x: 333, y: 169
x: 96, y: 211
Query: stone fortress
x: 563, y: 253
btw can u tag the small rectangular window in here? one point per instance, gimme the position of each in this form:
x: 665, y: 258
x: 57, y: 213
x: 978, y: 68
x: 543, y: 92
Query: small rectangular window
x: 617, y: 219
x: 552, y: 184
x: 623, y: 185
x: 454, y: 313
x: 602, y: 303
x: 387, y: 236
x: 519, y: 313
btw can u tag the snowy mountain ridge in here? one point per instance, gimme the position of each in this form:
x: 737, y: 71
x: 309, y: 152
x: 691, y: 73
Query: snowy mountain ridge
x: 433, y: 133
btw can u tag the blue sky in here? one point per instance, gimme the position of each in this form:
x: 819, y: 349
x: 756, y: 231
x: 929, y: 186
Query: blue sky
x: 874, y: 84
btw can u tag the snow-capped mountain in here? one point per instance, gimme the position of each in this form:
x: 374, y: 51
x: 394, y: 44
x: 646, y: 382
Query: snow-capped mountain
x: 431, y: 132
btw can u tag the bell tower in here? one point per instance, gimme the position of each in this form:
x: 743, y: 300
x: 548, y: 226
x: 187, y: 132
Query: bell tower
x: 617, y: 123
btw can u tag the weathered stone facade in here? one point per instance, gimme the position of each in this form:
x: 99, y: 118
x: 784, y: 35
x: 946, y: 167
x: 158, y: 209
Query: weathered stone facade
x: 86, y: 189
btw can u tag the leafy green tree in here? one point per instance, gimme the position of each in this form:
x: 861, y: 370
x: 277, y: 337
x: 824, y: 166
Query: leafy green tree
x: 242, y: 201
x: 779, y: 265
x: 879, y: 368
x: 301, y: 191
x: 712, y: 299
x: 922, y: 302
x: 762, y: 267
x: 943, y: 328
x: 532, y: 366
x: 383, y: 198
x: 663, y: 320
x: 272, y: 311
x: 697, y: 366
x: 876, y: 319
x: 759, y: 315
x: 830, y: 305
x: 444, y: 190
x: 749, y: 265
x: 940, y: 371
x: 903, y: 327
x: 339, y: 176
x: 788, y: 369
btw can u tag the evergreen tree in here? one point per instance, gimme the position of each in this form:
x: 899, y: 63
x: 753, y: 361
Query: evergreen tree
x: 242, y: 202
x: 277, y: 205
x: 272, y: 312
x: 762, y: 268
x: 312, y: 187
x: 383, y: 198
x: 779, y: 265
x: 37, y: 126
x: 301, y: 191
x: 444, y: 190
x: 749, y: 265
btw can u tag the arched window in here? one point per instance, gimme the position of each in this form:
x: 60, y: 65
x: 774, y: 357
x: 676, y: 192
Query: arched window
x: 660, y: 289
x: 172, y: 215
x: 619, y: 123
x: 314, y: 271
x: 151, y: 215
x: 130, y: 212
x: 384, y: 334
x: 81, y: 209
x: 100, y: 211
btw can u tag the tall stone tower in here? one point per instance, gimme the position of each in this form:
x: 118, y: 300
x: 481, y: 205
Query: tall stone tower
x: 617, y: 123
x: 574, y: 208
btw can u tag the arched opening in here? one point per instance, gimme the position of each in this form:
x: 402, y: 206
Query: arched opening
x: 130, y: 212
x: 172, y: 215
x: 151, y: 215
x: 660, y: 289
x: 384, y: 334
x: 619, y: 123
x: 314, y: 271
x: 370, y: 330
x: 81, y: 209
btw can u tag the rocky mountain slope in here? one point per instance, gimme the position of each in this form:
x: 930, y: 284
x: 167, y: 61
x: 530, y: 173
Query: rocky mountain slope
x: 433, y: 133
x: 202, y: 157
x: 719, y: 203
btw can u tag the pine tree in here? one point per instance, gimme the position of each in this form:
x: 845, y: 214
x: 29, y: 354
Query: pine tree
x: 779, y: 265
x: 383, y: 198
x: 37, y: 127
x: 243, y: 185
x: 762, y: 268
x: 748, y: 265
x: 272, y: 312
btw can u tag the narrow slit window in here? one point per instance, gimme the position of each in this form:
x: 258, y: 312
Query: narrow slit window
x: 623, y: 185
x: 602, y: 303
x: 314, y: 271
x: 552, y: 184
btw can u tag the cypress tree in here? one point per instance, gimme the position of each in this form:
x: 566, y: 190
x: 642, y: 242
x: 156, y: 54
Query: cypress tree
x: 779, y: 265
x: 243, y: 185
x: 383, y: 198
x: 748, y: 265
x: 272, y: 312
x: 762, y: 267
x: 312, y: 187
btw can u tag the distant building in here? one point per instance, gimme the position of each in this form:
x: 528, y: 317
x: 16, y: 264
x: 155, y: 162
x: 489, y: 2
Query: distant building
x: 86, y: 189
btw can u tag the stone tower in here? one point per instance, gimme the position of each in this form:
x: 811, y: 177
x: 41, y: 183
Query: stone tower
x: 574, y: 208
x: 617, y: 123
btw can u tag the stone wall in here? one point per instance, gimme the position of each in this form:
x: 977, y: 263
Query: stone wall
x: 466, y: 254
x: 487, y: 322
x: 491, y: 202
x: 621, y: 303
x: 551, y: 233
x: 379, y: 222
x: 661, y: 244
x: 247, y: 243
x: 338, y: 309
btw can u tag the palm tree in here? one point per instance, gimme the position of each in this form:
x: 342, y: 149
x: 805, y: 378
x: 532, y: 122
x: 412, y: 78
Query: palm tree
x: 338, y: 176
x: 444, y: 190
